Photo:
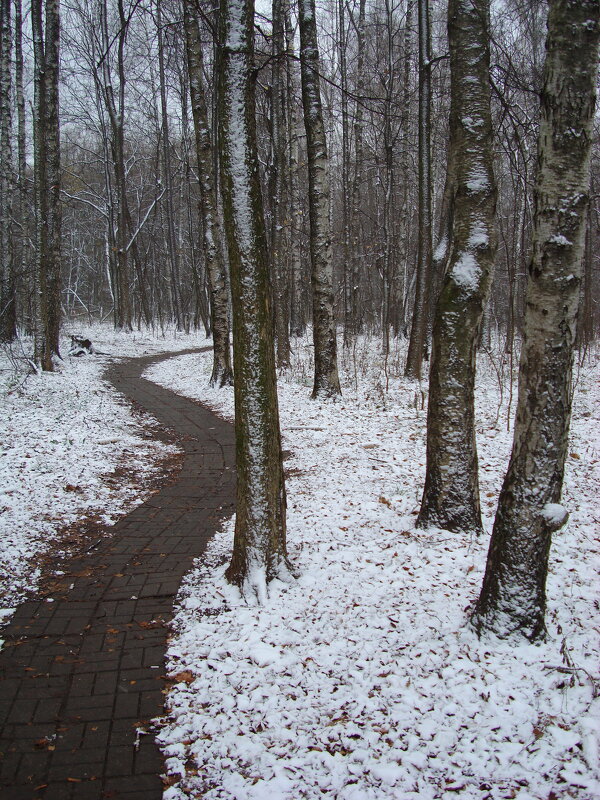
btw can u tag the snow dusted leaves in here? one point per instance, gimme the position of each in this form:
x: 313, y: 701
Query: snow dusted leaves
x: 361, y: 680
x: 62, y: 434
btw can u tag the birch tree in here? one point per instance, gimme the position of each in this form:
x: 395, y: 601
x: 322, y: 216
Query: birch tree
x: 451, y: 496
x: 327, y: 382
x: 222, y: 374
x: 513, y: 596
x: 259, y: 549
x: 45, y: 23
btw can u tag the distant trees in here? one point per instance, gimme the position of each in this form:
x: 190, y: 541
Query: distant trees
x: 131, y: 182
x: 512, y: 598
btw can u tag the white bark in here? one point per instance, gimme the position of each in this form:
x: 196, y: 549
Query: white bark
x: 513, y: 595
x: 327, y: 381
x: 259, y: 552
x: 451, y: 495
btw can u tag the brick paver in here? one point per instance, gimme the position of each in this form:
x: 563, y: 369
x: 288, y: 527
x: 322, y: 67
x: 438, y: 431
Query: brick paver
x: 82, y: 670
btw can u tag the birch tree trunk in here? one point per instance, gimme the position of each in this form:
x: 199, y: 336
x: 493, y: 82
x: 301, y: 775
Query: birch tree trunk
x: 451, y: 496
x: 298, y: 302
x: 513, y: 596
x: 222, y: 374
x: 259, y: 549
x: 327, y: 382
x: 46, y: 30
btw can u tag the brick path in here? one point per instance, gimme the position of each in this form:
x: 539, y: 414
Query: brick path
x: 79, y: 675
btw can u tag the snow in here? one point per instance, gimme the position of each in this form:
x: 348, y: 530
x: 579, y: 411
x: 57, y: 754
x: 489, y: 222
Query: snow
x: 555, y: 514
x: 478, y: 181
x: 478, y: 236
x: 362, y: 678
x: 560, y: 240
x: 441, y: 249
x: 466, y: 271
x: 62, y: 437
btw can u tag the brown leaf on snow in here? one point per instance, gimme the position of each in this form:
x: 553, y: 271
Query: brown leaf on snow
x: 182, y: 677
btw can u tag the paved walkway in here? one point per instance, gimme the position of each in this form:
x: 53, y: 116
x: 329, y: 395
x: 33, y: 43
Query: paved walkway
x: 80, y: 675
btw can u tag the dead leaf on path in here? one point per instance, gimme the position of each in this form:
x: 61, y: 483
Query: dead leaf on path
x: 43, y: 744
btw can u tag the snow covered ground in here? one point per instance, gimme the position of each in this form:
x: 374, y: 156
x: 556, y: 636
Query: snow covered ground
x: 70, y: 447
x: 362, y: 679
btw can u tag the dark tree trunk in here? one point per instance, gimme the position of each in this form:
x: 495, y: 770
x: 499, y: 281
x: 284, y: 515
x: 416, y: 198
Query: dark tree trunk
x: 281, y: 186
x: 222, y: 374
x: 46, y: 32
x: 8, y: 322
x: 171, y: 237
x: 418, y: 330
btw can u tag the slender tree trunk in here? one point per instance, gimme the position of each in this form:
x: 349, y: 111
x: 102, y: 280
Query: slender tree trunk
x: 116, y: 110
x: 402, y: 288
x: 345, y: 194
x: 46, y: 31
x: 451, y: 496
x: 281, y: 212
x: 327, y: 382
x: 222, y: 374
x: 22, y: 238
x: 298, y: 304
x: 8, y: 326
x: 259, y: 549
x: 171, y: 237
x: 513, y: 596
x: 418, y: 331
x: 388, y: 184
x: 353, y: 318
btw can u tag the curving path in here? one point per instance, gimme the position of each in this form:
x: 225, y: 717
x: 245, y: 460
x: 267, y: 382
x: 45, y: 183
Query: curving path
x: 83, y: 670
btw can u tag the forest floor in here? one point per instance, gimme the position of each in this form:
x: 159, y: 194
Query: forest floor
x: 361, y: 679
